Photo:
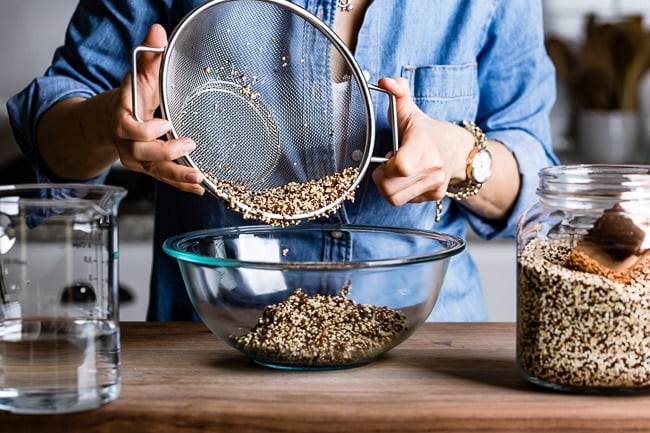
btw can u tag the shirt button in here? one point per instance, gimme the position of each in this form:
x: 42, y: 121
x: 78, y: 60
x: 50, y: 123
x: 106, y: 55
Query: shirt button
x: 366, y: 75
x: 336, y: 234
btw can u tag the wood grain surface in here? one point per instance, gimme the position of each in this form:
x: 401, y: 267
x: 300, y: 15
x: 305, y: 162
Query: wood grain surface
x: 178, y: 377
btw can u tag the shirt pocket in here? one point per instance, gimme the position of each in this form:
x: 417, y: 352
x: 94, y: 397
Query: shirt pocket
x: 445, y: 92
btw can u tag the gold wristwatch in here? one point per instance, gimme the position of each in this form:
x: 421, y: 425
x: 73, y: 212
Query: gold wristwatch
x: 479, y: 165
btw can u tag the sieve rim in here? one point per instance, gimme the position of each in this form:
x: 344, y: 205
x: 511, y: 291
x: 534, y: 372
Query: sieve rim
x: 356, y: 73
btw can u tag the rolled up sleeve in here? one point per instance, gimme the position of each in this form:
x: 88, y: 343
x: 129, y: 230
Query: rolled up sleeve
x: 94, y: 58
x: 27, y: 107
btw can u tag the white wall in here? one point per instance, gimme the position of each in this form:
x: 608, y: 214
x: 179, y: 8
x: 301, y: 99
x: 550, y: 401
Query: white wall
x: 30, y: 31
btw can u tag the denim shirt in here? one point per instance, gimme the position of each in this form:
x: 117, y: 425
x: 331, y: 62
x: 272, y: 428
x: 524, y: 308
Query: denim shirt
x: 482, y: 60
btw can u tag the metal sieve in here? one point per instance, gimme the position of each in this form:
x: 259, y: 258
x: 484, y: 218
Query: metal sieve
x: 272, y: 97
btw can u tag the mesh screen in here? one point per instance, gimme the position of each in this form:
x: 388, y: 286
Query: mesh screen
x: 253, y: 83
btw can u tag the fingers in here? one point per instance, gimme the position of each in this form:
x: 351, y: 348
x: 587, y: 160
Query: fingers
x: 179, y: 176
x: 416, y: 173
x: 155, y: 38
x: 148, y: 97
x: 149, y: 71
x: 410, y: 158
x: 157, y: 150
x: 139, y: 144
x: 409, y: 189
x: 409, y: 117
x: 157, y: 159
x: 405, y: 108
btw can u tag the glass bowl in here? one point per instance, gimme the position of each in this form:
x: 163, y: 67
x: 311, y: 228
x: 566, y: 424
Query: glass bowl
x: 313, y: 296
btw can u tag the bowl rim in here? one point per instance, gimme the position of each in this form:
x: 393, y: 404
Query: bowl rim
x: 172, y: 246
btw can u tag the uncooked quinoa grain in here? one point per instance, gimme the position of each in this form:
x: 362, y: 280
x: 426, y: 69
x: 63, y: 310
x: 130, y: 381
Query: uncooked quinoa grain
x: 322, y: 330
x: 276, y: 205
x: 579, y: 329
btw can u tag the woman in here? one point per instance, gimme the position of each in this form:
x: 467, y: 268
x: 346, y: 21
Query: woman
x: 445, y: 61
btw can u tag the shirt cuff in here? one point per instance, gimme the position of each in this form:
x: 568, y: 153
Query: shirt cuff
x: 25, y: 110
x: 531, y: 157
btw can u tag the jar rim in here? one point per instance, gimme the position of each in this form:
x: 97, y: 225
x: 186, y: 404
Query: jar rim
x: 625, y: 182
x: 581, y: 170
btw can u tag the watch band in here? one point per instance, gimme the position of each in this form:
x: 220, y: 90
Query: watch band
x: 471, y: 187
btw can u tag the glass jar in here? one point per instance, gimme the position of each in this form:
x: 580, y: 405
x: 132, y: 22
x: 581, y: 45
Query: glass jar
x: 583, y: 279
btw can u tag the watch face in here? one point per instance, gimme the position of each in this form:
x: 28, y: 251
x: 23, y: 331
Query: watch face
x: 482, y: 166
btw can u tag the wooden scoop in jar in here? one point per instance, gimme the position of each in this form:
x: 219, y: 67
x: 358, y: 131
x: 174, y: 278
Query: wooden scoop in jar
x: 614, y: 248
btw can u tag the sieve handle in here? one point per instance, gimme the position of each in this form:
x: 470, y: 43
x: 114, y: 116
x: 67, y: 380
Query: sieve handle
x: 392, y: 112
x: 134, y: 77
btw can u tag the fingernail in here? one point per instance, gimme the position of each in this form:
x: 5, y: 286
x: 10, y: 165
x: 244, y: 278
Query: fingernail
x: 188, y: 146
x: 194, y: 177
x: 163, y: 127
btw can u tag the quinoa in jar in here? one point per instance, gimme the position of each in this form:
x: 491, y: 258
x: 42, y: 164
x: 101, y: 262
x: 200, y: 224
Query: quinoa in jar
x: 583, y: 279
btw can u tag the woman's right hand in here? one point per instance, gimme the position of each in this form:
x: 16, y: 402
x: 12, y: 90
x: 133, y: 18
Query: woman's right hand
x: 80, y: 138
x: 139, y: 145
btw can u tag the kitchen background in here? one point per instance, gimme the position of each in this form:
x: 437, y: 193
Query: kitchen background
x: 615, y: 45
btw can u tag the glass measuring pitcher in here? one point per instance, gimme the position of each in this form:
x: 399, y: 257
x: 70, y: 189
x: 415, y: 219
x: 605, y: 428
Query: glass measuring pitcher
x: 59, y: 331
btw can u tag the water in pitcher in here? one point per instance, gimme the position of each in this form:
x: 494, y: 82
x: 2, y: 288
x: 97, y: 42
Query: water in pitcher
x: 57, y: 365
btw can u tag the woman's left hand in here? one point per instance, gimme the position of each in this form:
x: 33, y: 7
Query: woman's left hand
x: 431, y: 153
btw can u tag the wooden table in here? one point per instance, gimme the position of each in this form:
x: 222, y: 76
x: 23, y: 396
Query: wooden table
x: 177, y: 377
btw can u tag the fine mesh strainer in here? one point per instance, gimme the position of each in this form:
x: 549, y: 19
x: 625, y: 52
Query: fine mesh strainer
x: 273, y: 99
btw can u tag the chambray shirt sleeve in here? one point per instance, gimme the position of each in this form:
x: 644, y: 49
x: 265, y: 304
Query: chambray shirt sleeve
x: 94, y: 58
x: 517, y: 91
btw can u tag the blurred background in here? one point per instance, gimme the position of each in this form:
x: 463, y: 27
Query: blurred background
x: 601, y: 49
x: 30, y: 31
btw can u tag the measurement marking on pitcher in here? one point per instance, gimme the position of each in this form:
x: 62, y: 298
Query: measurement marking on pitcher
x: 69, y: 253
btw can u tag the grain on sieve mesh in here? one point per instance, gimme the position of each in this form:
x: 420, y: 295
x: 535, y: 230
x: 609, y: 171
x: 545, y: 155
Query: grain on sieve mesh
x: 275, y: 205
